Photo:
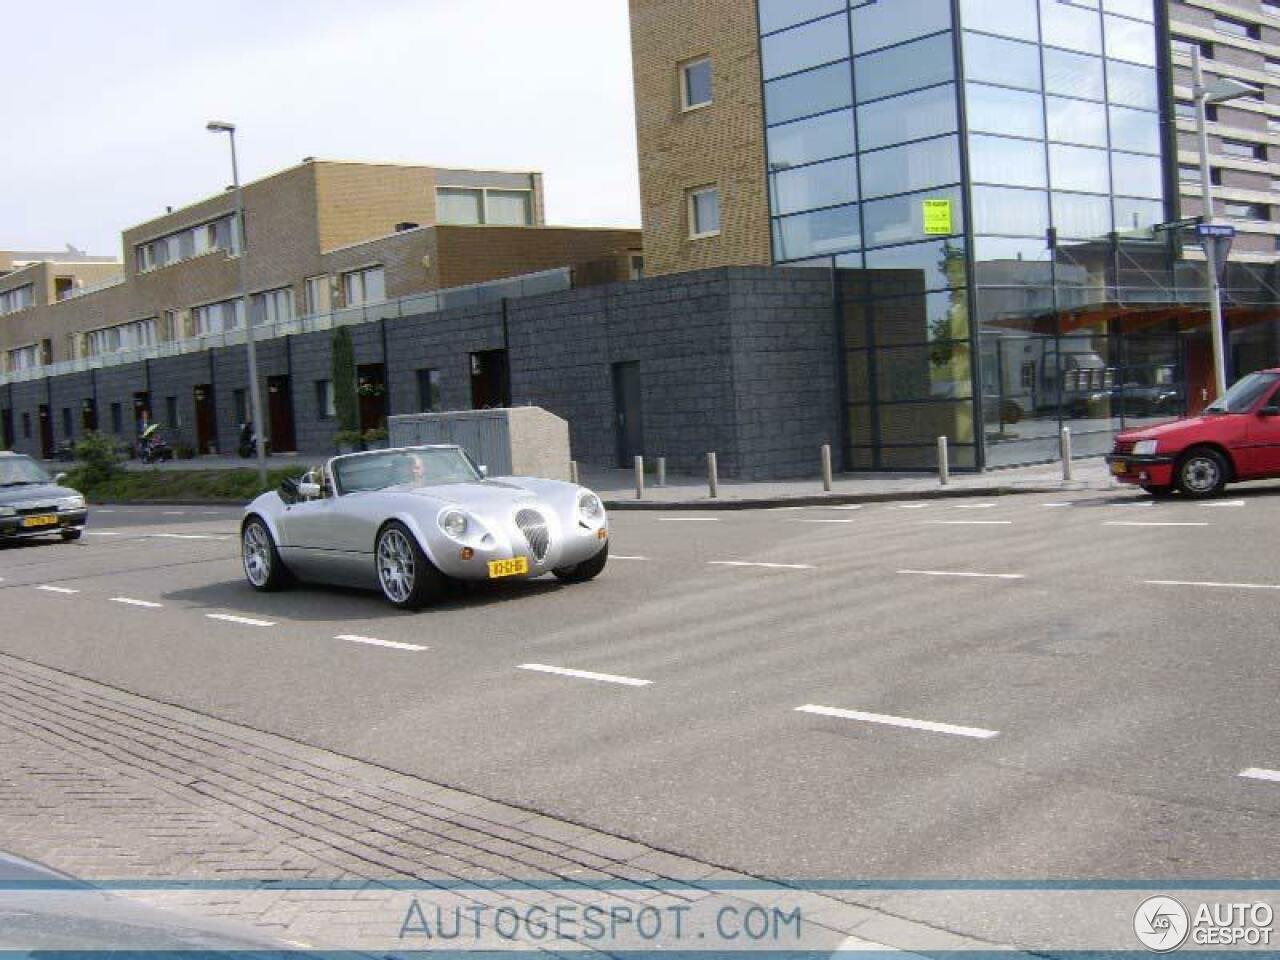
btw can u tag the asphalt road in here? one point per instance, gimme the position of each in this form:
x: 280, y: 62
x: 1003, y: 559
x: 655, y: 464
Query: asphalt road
x: 1083, y: 710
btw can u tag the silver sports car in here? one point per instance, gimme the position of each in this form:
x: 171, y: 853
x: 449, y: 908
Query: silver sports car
x: 410, y: 519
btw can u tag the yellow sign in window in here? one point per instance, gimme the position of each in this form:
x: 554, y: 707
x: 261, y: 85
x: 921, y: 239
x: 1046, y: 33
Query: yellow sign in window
x: 938, y: 218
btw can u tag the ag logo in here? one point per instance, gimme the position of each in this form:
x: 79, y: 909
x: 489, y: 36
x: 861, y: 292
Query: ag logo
x: 1161, y: 924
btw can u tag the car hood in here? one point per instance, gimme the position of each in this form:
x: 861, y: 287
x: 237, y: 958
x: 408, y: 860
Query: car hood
x: 1168, y: 429
x: 41, y: 491
x: 481, y: 495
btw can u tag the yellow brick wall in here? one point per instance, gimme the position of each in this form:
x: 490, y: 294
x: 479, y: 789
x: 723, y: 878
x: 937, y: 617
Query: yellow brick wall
x: 357, y: 201
x: 722, y: 143
x: 475, y: 254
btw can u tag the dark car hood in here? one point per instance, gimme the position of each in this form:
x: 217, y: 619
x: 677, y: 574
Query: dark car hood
x: 35, y: 491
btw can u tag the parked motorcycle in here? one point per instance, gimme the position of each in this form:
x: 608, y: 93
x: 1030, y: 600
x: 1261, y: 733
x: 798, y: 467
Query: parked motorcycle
x: 249, y: 441
x: 153, y: 447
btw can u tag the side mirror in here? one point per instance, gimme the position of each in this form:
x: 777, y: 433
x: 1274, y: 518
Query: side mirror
x: 59, y: 477
x: 484, y: 471
x: 1269, y: 412
x: 309, y: 491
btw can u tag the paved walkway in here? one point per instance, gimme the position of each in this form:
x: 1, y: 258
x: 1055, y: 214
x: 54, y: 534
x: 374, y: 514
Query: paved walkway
x: 326, y: 851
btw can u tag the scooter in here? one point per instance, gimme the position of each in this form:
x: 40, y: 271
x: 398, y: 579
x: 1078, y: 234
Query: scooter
x: 153, y: 447
x: 249, y: 441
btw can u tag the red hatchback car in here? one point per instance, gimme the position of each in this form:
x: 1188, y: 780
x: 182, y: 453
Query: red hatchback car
x: 1236, y: 438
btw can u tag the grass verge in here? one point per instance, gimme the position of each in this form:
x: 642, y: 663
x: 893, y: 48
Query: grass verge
x: 222, y: 486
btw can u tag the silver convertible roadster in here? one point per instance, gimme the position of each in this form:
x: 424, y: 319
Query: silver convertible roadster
x: 410, y: 519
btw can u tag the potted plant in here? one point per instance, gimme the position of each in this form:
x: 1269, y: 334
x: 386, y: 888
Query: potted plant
x: 348, y: 441
x: 375, y: 439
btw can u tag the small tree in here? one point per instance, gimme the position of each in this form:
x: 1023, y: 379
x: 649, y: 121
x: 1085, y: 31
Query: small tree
x: 345, y: 406
x: 99, y: 461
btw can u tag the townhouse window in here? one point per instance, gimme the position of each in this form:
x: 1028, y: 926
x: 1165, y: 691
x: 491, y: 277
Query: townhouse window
x: 1235, y: 28
x: 171, y: 411
x: 220, y: 234
x: 218, y: 317
x: 25, y: 358
x: 239, y: 407
x: 324, y: 400
x: 318, y: 293
x: 471, y: 206
x: 364, y: 286
x: 459, y: 205
x: 1186, y: 110
x: 704, y: 212
x: 510, y: 208
x: 272, y: 306
x: 19, y: 298
x: 429, y: 390
x: 1272, y: 65
x: 1185, y: 45
x: 695, y: 83
x: 1246, y: 211
x: 26, y: 426
x: 1247, y: 151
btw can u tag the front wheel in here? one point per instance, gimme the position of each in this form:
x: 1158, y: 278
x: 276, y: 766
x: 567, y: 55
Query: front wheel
x: 263, y: 567
x: 408, y: 578
x: 586, y: 570
x: 1202, y: 473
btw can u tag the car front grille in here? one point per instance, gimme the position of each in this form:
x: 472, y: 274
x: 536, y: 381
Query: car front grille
x: 32, y: 509
x: 1123, y: 446
x: 534, y: 527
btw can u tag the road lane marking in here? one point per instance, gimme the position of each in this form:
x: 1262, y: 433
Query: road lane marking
x: 692, y: 519
x: 100, y: 510
x: 1151, y: 523
x: 949, y: 573
x: 174, y: 513
x: 972, y: 523
x: 1259, y: 773
x: 618, y: 556
x: 1210, y: 583
x: 187, y: 536
x: 978, y: 733
x: 974, y: 506
x: 374, y: 642
x: 767, y: 566
x: 1055, y: 504
x: 1224, y: 503
x: 585, y: 675
x: 818, y: 520
x: 776, y: 509
x: 910, y: 506
x: 137, y: 603
x: 104, y: 533
x: 1132, y: 503
x: 845, y: 506
x: 246, y: 621
x: 50, y: 589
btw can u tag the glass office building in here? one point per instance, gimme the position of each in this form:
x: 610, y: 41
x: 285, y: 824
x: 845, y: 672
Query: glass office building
x: 987, y: 180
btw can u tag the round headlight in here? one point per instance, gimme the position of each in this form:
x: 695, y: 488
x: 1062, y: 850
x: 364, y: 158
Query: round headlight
x: 1145, y: 448
x: 590, y: 507
x: 454, y: 523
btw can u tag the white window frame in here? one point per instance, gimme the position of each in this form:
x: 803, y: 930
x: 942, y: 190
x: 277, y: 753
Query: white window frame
x: 354, y: 280
x: 485, y: 218
x: 686, y: 105
x: 691, y: 211
x: 310, y: 286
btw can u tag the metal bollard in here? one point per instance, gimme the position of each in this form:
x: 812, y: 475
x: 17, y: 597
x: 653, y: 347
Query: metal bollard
x: 573, y: 471
x: 1068, y: 473
x: 662, y: 471
x: 713, y: 476
x: 639, y: 478
x: 944, y: 463
x: 826, y: 467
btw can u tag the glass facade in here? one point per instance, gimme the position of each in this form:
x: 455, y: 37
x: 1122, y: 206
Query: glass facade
x: 974, y: 172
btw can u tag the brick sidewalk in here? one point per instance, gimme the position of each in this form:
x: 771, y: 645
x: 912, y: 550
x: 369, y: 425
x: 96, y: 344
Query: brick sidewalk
x: 118, y: 789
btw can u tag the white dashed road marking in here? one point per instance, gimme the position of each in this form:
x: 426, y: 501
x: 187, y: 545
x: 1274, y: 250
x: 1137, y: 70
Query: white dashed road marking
x: 618, y: 556
x: 374, y: 642
x: 847, y: 506
x: 585, y: 675
x: 972, y: 523
x: 692, y: 519
x: 767, y: 566
x: 104, y: 533
x: 175, y: 513
x: 49, y: 589
x: 129, y: 601
x: 817, y: 520
x: 977, y: 733
x: 948, y: 573
x: 1259, y: 773
x: 187, y: 536
x: 974, y: 506
x: 1151, y: 523
x: 1210, y: 583
x: 246, y: 621
x: 1224, y: 503
x: 1055, y: 504
x: 910, y: 506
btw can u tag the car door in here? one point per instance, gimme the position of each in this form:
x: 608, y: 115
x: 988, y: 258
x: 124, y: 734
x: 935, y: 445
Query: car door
x: 306, y: 530
x: 1263, y: 440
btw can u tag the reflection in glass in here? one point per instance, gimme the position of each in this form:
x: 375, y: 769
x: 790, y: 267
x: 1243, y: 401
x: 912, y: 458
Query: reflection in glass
x: 1006, y: 62
x: 881, y: 24
x: 1073, y: 75
x: 901, y: 219
x: 817, y: 91
x: 1073, y: 27
x: 1132, y: 85
x: 1078, y: 168
x: 817, y: 185
x: 912, y: 116
x: 776, y: 14
x: 1008, y: 18
x: 802, y: 141
x: 994, y: 249
x: 1077, y: 121
x: 1015, y: 163
x: 907, y: 67
x: 922, y: 423
x: 806, y: 46
x: 1129, y: 40
x: 1137, y: 215
x: 1013, y: 212
x: 934, y: 317
x: 1136, y: 176
x: 1078, y: 216
x: 1130, y: 8
x: 913, y: 166
x: 1135, y: 130
x: 939, y: 371
x: 1000, y: 110
x: 919, y: 266
x: 810, y: 234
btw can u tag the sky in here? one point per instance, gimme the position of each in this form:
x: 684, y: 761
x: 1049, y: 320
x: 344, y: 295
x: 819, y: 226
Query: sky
x: 106, y: 103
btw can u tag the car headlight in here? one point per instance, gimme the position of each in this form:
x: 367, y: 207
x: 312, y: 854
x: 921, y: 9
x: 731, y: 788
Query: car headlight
x: 1145, y: 448
x: 590, y: 507
x: 71, y: 503
x: 454, y: 523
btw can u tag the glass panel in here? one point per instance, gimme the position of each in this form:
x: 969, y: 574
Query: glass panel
x: 1069, y: 26
x: 919, y: 266
x: 939, y: 371
x: 924, y: 456
x: 996, y: 249
x: 776, y: 14
x: 1137, y: 176
x: 1135, y: 130
x: 1080, y: 216
x: 1009, y: 18
x: 706, y: 211
x: 1128, y: 40
x: 1014, y: 212
x: 455, y: 205
x: 1073, y: 74
x: 901, y: 219
x: 913, y: 166
x: 912, y: 116
x: 921, y: 422
x: 1014, y: 163
x: 818, y: 185
x: 1006, y: 62
x: 1000, y: 110
x: 880, y: 24
x: 933, y: 317
x: 1077, y: 121
x: 830, y: 135
x: 697, y: 83
x: 806, y: 46
x: 906, y: 67
x: 817, y: 91
x: 1078, y: 168
x: 811, y: 234
x: 1130, y: 8
x: 512, y: 208
x: 1132, y: 85
x: 1137, y: 214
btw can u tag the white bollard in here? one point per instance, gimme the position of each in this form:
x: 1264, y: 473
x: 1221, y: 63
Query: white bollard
x: 1068, y: 473
x: 662, y: 471
x: 713, y: 476
x: 639, y: 478
x: 944, y: 463
x: 826, y: 467
x: 573, y: 471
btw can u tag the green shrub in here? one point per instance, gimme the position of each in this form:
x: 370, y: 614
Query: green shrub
x: 99, y: 460
x: 345, y: 405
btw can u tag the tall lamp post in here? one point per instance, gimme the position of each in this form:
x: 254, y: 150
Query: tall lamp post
x: 255, y: 395
x: 1219, y: 90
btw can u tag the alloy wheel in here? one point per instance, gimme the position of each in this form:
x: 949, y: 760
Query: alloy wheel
x: 1201, y: 474
x: 257, y: 555
x: 396, y: 569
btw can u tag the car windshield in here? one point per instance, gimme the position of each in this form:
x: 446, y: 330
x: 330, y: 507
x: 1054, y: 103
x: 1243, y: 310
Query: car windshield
x: 1241, y: 397
x: 422, y: 467
x: 17, y: 471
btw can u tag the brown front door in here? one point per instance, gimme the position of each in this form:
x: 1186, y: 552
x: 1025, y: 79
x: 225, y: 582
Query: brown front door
x: 206, y: 420
x: 280, y: 415
x: 46, y: 433
x: 1200, y: 385
x: 89, y: 416
x: 371, y: 380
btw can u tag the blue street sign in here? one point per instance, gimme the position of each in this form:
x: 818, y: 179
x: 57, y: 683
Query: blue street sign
x: 1223, y: 230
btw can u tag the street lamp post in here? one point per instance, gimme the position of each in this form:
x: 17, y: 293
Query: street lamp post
x: 255, y: 395
x: 1220, y: 90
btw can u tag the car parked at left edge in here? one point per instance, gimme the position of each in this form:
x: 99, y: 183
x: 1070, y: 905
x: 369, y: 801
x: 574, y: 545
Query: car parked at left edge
x: 34, y: 504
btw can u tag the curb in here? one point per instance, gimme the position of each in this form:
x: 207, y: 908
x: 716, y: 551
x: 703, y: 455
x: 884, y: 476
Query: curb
x: 838, y: 499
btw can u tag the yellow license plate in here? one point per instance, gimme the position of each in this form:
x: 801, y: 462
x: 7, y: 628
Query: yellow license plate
x: 508, y: 568
x: 46, y: 521
x: 1118, y: 467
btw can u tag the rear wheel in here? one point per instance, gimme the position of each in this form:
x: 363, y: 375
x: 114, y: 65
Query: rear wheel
x: 586, y: 570
x: 1202, y: 473
x: 263, y: 567
x: 406, y: 574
